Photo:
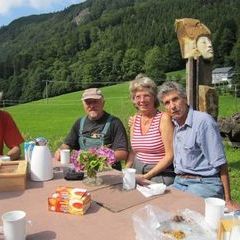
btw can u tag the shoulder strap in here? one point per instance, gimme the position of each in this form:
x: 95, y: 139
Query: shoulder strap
x: 81, y: 123
x: 107, y: 125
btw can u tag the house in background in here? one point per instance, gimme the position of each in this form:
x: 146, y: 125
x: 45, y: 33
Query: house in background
x: 222, y: 76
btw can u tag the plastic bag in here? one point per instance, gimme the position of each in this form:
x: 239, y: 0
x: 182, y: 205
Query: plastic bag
x: 153, y: 223
x: 147, y: 220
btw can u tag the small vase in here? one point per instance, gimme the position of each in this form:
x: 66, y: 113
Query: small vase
x: 92, y: 178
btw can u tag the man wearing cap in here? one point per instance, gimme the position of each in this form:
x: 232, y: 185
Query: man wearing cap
x: 9, y: 135
x: 97, y: 128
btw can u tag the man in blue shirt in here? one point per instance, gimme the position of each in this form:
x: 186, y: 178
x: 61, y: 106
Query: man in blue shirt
x: 199, y: 159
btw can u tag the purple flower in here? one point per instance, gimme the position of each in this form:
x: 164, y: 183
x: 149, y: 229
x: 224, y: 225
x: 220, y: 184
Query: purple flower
x: 74, y: 160
x: 108, y: 154
x: 93, y: 158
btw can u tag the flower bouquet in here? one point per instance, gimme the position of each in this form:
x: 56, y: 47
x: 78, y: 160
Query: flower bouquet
x: 92, y: 161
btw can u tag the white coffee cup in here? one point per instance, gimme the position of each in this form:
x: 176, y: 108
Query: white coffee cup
x: 65, y: 156
x: 14, y: 225
x: 129, y: 180
x: 214, y: 211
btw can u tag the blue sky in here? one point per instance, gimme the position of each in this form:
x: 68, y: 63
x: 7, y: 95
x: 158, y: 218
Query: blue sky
x: 13, y: 9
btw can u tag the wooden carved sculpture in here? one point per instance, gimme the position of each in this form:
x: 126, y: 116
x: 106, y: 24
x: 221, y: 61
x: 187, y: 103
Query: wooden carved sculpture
x: 194, y: 38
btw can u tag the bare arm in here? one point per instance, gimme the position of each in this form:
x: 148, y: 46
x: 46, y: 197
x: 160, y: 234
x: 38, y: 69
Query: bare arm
x: 131, y: 155
x: 166, y: 128
x: 57, y: 153
x: 14, y: 153
x: 227, y: 191
x: 130, y: 159
x: 121, y: 155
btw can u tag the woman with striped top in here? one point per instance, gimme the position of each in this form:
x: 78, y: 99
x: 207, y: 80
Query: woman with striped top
x: 151, y: 135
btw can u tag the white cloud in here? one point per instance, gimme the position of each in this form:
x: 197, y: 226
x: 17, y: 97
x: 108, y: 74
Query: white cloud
x: 46, y: 4
x: 76, y: 1
x: 41, y: 4
x: 6, y: 6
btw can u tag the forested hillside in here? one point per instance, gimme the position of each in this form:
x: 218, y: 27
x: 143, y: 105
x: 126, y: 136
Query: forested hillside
x: 105, y: 41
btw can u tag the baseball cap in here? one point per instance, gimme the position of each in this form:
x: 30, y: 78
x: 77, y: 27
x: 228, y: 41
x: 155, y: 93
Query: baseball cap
x: 92, y: 93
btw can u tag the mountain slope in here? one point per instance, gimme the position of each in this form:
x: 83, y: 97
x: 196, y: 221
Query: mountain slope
x: 101, y: 42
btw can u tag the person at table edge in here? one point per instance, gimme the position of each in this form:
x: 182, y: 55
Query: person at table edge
x: 9, y: 135
x: 97, y: 128
x: 199, y: 158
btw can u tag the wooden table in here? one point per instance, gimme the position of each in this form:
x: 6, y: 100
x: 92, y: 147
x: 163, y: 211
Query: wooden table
x: 99, y: 223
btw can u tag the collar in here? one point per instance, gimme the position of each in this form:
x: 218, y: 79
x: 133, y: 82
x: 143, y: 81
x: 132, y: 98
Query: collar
x: 189, y: 120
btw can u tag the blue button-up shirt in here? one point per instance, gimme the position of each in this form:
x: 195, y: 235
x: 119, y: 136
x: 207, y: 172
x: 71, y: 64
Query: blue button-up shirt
x: 198, y: 147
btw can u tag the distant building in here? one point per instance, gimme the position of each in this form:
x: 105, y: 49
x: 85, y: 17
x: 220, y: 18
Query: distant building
x: 222, y: 75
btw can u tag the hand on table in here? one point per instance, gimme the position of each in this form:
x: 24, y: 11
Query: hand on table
x: 141, y: 180
x: 57, y: 155
x: 232, y: 206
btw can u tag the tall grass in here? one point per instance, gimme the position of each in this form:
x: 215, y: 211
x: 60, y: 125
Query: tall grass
x: 233, y: 157
x: 228, y: 105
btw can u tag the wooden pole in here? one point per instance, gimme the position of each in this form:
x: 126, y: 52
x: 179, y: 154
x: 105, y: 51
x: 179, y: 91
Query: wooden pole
x: 192, y: 83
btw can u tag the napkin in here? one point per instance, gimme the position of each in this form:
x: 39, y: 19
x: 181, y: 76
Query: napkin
x: 152, y: 189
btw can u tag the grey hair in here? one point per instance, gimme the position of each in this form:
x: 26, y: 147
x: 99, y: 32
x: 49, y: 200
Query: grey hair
x: 142, y: 82
x: 170, y: 86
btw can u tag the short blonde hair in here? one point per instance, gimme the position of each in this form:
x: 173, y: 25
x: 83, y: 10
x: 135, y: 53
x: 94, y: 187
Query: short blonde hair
x: 142, y: 82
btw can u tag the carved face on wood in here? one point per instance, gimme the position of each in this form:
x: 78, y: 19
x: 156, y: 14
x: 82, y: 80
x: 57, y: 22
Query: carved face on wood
x: 194, y: 38
x: 205, y: 48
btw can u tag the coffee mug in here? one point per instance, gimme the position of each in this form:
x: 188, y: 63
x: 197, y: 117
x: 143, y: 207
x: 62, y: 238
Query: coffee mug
x: 65, y: 156
x: 214, y: 211
x: 129, y: 180
x: 14, y: 225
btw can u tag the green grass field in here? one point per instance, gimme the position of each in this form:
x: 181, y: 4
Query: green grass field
x: 54, y: 117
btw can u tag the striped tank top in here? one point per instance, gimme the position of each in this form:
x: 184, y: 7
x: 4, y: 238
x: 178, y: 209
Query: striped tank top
x: 148, y: 147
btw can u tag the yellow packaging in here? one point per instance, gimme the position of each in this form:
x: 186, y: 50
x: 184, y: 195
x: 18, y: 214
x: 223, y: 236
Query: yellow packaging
x: 70, y: 200
x: 70, y: 192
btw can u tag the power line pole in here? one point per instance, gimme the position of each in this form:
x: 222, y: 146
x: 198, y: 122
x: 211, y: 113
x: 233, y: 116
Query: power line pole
x: 46, y: 89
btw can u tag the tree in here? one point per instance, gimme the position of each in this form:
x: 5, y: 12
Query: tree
x: 33, y: 85
x: 116, y: 66
x: 109, y: 43
x: 15, y: 88
x: 236, y: 57
x: 132, y: 63
x: 89, y: 75
x: 155, y: 64
x: 104, y: 59
x: 174, y: 58
x: 226, y: 38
